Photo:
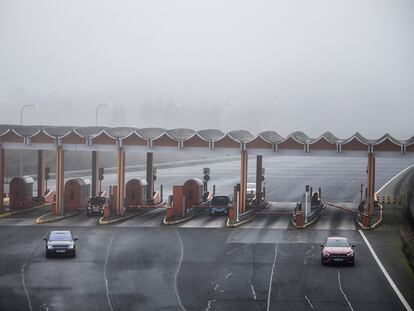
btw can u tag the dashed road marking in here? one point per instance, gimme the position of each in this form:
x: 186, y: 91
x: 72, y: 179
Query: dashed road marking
x: 23, y: 278
x: 253, y: 291
x: 178, y: 270
x: 105, y: 273
x: 271, y: 278
x: 343, y: 293
x: 309, y: 302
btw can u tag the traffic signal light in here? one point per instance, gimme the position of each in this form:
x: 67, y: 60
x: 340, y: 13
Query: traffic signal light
x: 101, y: 173
x: 47, y: 173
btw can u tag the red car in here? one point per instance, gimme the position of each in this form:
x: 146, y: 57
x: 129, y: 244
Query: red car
x: 337, y: 250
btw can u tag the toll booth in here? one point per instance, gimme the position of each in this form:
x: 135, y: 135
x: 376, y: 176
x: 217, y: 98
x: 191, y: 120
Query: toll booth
x: 77, y: 193
x: 193, y: 190
x: 21, y: 192
x: 136, y: 193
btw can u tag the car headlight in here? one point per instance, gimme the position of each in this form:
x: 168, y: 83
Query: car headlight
x: 325, y: 254
x: 71, y: 245
x: 49, y: 245
x: 350, y: 254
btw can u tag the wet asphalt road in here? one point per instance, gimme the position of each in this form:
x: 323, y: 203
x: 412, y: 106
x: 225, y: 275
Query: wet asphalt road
x: 267, y: 265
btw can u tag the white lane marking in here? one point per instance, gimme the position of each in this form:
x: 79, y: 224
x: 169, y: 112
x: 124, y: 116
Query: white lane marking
x: 387, y: 276
x: 228, y: 275
x: 271, y: 279
x: 343, y: 293
x: 105, y: 273
x: 254, y: 293
x: 178, y: 270
x: 23, y: 279
x: 309, y: 302
x: 232, y: 251
x: 308, y: 255
x: 210, y: 304
x: 396, y: 176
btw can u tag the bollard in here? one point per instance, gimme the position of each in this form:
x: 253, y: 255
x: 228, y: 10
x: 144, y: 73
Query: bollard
x: 106, y: 211
x: 299, y: 219
x: 170, y: 212
x: 231, y: 214
x: 365, y: 220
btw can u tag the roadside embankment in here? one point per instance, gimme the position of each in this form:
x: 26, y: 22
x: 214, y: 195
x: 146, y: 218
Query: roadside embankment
x: 401, y: 212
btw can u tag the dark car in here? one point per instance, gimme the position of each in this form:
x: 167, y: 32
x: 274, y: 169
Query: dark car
x: 337, y: 250
x: 96, y: 206
x: 60, y: 243
x: 219, y: 205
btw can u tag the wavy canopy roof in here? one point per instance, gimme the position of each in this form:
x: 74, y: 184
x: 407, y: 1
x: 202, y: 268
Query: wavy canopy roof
x: 10, y: 133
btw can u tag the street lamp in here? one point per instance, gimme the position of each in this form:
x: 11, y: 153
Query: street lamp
x: 96, y: 111
x: 21, y: 123
x: 22, y: 108
x: 166, y: 112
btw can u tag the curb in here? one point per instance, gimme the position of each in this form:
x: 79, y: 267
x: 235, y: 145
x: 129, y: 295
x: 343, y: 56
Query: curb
x: 311, y: 222
x: 229, y: 225
x: 21, y: 211
x: 374, y: 225
x: 40, y: 219
x: 178, y: 221
x: 102, y: 221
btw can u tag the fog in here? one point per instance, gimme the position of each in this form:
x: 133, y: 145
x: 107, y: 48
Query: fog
x: 297, y: 65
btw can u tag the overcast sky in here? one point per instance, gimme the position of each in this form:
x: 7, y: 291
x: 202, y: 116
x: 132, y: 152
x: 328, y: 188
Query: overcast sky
x: 306, y: 65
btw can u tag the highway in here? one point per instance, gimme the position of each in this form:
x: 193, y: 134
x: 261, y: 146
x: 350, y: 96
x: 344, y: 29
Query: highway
x: 267, y: 264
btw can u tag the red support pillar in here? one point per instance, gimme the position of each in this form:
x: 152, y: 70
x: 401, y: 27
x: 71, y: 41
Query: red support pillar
x: 150, y: 175
x: 243, y: 181
x: 120, y: 208
x: 369, y: 204
x: 59, y: 207
x: 1, y: 178
x: 41, y: 164
x: 259, y: 177
x: 95, y: 173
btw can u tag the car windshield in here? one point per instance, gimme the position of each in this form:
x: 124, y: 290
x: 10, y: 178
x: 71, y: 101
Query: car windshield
x: 337, y: 243
x: 220, y: 200
x: 60, y: 236
x: 97, y: 200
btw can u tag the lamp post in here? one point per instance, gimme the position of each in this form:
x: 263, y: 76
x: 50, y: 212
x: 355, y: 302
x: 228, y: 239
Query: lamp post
x: 22, y: 109
x: 166, y: 112
x: 96, y: 111
x: 21, y: 123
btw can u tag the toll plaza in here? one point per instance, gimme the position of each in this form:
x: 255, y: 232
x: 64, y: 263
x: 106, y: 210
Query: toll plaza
x: 123, y: 141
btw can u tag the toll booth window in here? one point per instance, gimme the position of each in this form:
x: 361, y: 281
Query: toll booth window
x: 72, y: 195
x: 133, y: 195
